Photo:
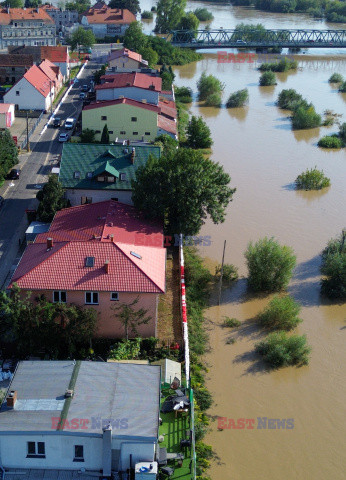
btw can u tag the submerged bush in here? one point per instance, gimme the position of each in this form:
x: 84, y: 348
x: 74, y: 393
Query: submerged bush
x: 336, y: 78
x: 270, y: 265
x: 334, y: 268
x: 280, y: 314
x: 231, y: 322
x: 213, y: 100
x: 238, y: 98
x: 281, y: 350
x: 312, y: 179
x: 282, y: 66
x: 229, y: 274
x: 267, y: 79
x: 342, y: 87
x: 203, y: 14
x: 330, y: 141
x: 183, y: 94
x: 209, y: 85
x: 305, y: 118
x: 147, y: 15
x: 289, y: 99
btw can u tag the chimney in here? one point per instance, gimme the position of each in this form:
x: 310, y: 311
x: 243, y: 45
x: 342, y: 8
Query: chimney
x: 49, y: 243
x: 12, y: 398
x: 107, y: 266
x: 144, y: 100
x: 133, y: 154
x: 111, y: 237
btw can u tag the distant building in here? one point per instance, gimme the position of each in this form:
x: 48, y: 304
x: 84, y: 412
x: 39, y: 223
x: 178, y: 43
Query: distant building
x: 6, y: 115
x: 26, y: 26
x: 107, y: 21
x: 92, y: 173
x: 125, y: 58
x: 59, y: 55
x: 62, y: 18
x: 80, y: 421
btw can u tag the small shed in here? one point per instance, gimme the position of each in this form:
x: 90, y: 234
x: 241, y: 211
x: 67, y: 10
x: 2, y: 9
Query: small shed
x: 169, y: 370
x: 6, y: 115
x: 34, y: 229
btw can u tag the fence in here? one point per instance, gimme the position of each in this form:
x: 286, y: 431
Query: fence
x: 24, y: 143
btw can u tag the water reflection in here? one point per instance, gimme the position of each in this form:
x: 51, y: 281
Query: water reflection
x: 306, y: 135
x: 238, y: 113
x: 312, y: 195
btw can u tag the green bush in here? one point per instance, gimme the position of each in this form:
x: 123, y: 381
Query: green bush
x: 305, y: 118
x: 330, y: 142
x: 281, y: 350
x: 342, y: 87
x: 336, y: 78
x: 270, y: 265
x: 342, y: 132
x: 213, y: 100
x: 334, y: 268
x: 282, y: 66
x: 147, y: 15
x: 267, y: 79
x: 312, y: 179
x: 203, y: 14
x: 183, y: 94
x: 229, y: 274
x: 198, y: 134
x: 289, y: 99
x: 209, y: 85
x: 238, y: 98
x: 280, y: 314
x: 328, y: 122
x: 231, y: 322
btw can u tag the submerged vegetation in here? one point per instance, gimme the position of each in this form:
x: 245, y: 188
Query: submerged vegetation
x: 333, y: 268
x: 238, y: 99
x: 281, y: 350
x: 267, y: 79
x: 337, y: 140
x: 210, y: 89
x: 280, y: 314
x: 312, y: 179
x: 336, y: 78
x: 282, y: 66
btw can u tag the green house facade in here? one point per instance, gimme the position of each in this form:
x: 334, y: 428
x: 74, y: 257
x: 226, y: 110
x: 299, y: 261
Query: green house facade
x: 92, y: 173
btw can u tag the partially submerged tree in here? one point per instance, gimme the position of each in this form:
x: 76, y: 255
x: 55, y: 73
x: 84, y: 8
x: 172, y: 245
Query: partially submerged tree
x: 169, y: 14
x: 333, y: 268
x: 132, y: 5
x: 131, y: 317
x: 198, y: 133
x: 281, y: 314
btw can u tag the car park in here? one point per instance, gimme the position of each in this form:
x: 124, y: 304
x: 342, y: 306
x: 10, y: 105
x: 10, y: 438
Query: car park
x: 69, y: 124
x: 14, y: 174
x: 63, y: 137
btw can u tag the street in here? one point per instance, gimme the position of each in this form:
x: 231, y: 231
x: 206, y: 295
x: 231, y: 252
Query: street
x: 35, y: 167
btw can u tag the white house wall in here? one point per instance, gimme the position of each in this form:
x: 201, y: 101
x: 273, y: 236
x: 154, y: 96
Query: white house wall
x: 76, y: 195
x: 128, y: 92
x: 29, y: 98
x: 141, y: 452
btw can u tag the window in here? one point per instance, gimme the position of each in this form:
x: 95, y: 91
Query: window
x: 103, y: 117
x: 114, y: 296
x: 100, y: 179
x: 147, y: 133
x: 36, y: 450
x: 76, y: 175
x: 13, y: 69
x: 110, y: 132
x: 122, y: 177
x: 122, y: 132
x: 134, y: 133
x: 91, y: 298
x: 78, y: 453
x: 110, y: 179
x: 133, y: 119
x: 17, y: 92
x: 86, y: 200
x: 97, y: 131
x: 59, y: 296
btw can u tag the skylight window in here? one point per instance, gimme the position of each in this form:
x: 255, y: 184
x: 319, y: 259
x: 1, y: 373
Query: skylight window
x: 90, y: 261
x: 89, y: 174
x: 137, y: 255
x: 76, y: 175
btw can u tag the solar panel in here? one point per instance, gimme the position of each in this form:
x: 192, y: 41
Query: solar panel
x: 90, y: 261
x: 136, y: 255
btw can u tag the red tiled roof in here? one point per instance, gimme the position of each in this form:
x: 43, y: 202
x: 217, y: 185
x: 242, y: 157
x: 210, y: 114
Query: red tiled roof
x: 167, y: 92
x: 63, y: 268
x: 167, y: 124
x: 124, y: 52
x: 24, y: 14
x: 38, y: 79
x: 82, y: 222
x: 168, y: 108
x: 109, y: 15
x: 49, y: 69
x: 4, y: 107
x: 140, y: 80
x: 127, y: 101
x: 55, y: 54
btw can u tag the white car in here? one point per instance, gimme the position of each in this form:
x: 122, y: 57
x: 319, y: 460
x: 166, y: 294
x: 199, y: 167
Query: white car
x: 69, y: 124
x: 63, y: 137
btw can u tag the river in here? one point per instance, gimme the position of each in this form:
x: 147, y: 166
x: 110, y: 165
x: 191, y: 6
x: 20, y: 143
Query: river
x: 263, y: 155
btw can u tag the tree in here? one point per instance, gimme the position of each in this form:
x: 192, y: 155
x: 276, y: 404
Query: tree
x: 305, y: 118
x: 267, y: 79
x: 32, y: 3
x: 270, y: 265
x: 280, y: 350
x: 51, y: 199
x: 98, y: 74
x: 312, y: 179
x: 132, y: 5
x: 238, y: 98
x: 203, y: 14
x: 126, y: 350
x: 169, y: 14
x: 8, y: 153
x: 168, y: 144
x: 130, y: 317
x: 336, y: 78
x: 14, y: 3
x: 88, y: 136
x: 198, y: 133
x: 81, y: 37
x: 188, y: 188
x: 208, y: 85
x: 150, y: 56
x: 105, y: 135
x: 333, y: 267
x: 80, y: 6
x: 134, y: 38
x: 188, y: 22
x: 281, y: 314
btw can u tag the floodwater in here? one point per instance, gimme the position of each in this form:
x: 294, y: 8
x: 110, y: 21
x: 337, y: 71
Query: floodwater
x: 263, y: 155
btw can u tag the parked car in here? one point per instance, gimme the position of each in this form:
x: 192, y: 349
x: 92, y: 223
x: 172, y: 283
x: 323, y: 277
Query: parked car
x: 14, y: 174
x: 76, y: 82
x: 57, y: 122
x: 69, y: 124
x: 63, y: 137
x: 1, y: 201
x: 85, y: 88
x: 82, y: 95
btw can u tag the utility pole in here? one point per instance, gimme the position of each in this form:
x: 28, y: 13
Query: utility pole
x: 51, y: 98
x: 27, y: 132
x: 223, y: 259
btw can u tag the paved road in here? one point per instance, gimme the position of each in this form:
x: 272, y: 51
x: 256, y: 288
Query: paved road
x: 20, y: 194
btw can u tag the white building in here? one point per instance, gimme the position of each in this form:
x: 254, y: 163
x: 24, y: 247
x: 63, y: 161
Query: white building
x: 107, y: 21
x: 87, y: 419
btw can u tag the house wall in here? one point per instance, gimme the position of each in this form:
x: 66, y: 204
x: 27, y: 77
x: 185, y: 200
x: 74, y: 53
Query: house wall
x: 125, y: 62
x: 128, y: 92
x: 12, y: 74
x: 27, y: 32
x: 28, y: 98
x: 119, y: 120
x: 64, y: 68
x: 76, y: 195
x: 143, y: 452
x: 108, y: 325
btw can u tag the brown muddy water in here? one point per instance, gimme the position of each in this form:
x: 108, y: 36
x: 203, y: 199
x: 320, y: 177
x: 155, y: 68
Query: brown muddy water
x: 263, y: 155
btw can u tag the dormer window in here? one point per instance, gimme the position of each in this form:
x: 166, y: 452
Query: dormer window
x: 76, y: 175
x: 122, y: 177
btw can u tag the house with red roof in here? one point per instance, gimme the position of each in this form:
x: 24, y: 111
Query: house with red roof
x: 136, y: 86
x: 59, y: 55
x: 98, y: 255
x: 126, y: 59
x: 107, y: 21
x: 37, y: 88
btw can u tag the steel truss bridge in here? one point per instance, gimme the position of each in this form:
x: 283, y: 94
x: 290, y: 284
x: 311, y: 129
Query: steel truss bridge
x: 270, y: 38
